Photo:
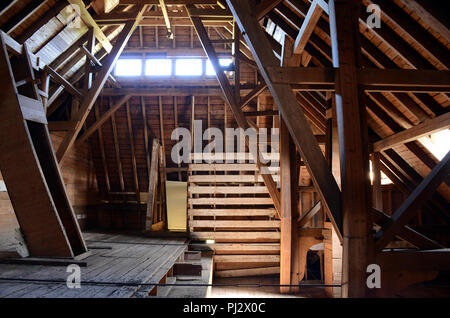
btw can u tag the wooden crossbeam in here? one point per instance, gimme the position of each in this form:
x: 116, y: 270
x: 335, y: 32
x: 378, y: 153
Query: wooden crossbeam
x: 429, y: 18
x: 162, y: 4
x: 103, y: 118
x: 407, y: 24
x: 412, y: 204
x: 62, y: 81
x: 253, y: 94
x: 100, y: 80
x: 406, y: 233
x: 291, y: 112
x: 23, y: 15
x: 89, y: 21
x: 61, y: 4
x: 406, y: 78
x: 309, y: 215
x: 265, y: 7
x: 308, y: 25
x: 425, y: 128
x: 232, y: 101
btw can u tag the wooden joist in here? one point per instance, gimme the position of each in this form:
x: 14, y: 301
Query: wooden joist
x: 232, y: 100
x: 227, y: 167
x: 234, y: 224
x: 427, y: 127
x: 248, y: 272
x: 89, y: 21
x: 244, y: 248
x: 412, y: 204
x: 228, y: 178
x: 308, y: 25
x: 247, y: 258
x: 100, y: 121
x: 294, y: 117
x: 237, y: 236
x: 100, y: 80
x: 62, y: 81
x: 228, y: 189
x: 406, y: 233
x: 230, y: 201
x: 232, y: 212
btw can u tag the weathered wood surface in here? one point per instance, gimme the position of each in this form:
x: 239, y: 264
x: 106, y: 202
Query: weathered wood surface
x: 123, y: 259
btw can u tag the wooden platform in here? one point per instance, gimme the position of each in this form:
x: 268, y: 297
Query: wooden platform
x: 121, y: 259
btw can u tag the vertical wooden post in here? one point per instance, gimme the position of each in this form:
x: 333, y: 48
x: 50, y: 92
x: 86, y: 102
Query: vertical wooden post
x: 354, y: 159
x: 289, y: 215
x: 376, y: 183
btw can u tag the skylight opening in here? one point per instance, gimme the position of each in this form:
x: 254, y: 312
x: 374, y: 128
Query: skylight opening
x: 129, y: 67
x: 188, y: 67
x: 437, y: 143
x: 158, y: 67
x: 223, y: 62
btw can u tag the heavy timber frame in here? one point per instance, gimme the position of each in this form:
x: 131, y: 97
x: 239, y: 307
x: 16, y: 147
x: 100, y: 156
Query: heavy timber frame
x: 357, y: 92
x: 349, y: 82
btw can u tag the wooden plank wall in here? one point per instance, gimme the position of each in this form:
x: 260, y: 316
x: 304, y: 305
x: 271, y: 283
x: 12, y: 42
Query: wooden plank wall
x: 81, y: 185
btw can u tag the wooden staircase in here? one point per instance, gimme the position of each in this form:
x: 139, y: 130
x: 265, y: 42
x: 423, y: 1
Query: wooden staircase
x: 229, y: 203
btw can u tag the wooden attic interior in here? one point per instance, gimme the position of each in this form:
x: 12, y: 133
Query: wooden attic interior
x: 363, y: 162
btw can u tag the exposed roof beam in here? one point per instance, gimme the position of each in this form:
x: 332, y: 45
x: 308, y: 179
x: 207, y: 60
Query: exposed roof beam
x: 89, y: 100
x: 308, y: 25
x: 290, y: 111
x: 425, y: 128
x: 419, y: 7
x: 89, y: 21
x: 411, y: 206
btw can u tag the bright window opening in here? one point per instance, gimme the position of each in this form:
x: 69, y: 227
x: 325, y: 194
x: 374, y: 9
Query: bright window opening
x: 222, y: 62
x: 438, y: 143
x: 188, y: 67
x: 129, y: 67
x: 384, y: 178
x: 158, y: 67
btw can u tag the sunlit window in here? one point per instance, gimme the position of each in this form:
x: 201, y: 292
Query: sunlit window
x: 222, y: 62
x: 384, y: 178
x: 438, y: 143
x: 129, y: 67
x: 188, y: 67
x: 158, y: 67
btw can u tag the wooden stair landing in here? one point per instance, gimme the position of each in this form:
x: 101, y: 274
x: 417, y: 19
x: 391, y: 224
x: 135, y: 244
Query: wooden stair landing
x: 230, y: 204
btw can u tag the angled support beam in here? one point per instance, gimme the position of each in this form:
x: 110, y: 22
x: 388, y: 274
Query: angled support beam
x: 232, y: 102
x: 308, y: 25
x: 89, y: 21
x: 309, y: 215
x: 62, y: 81
x: 430, y: 19
x: 162, y: 4
x: 24, y: 14
x: 253, y: 94
x: 61, y: 4
x: 290, y: 111
x: 265, y: 7
x: 411, y: 206
x: 100, y: 80
x: 426, y: 128
x: 406, y: 233
x: 103, y: 118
